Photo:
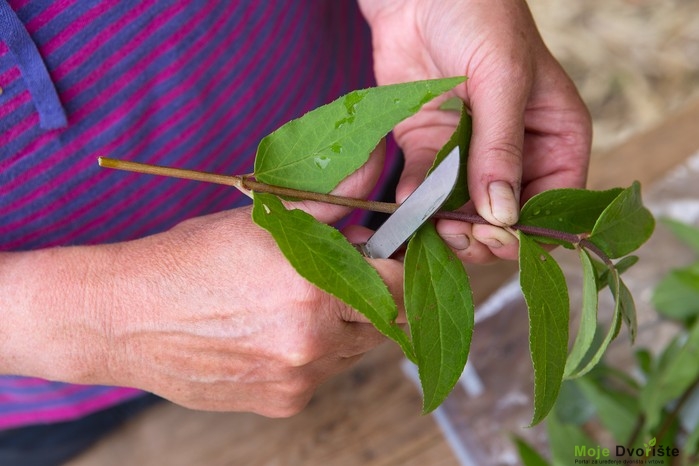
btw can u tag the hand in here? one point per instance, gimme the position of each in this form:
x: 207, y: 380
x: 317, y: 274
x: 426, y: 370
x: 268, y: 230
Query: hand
x: 531, y: 131
x: 209, y: 315
x: 228, y: 324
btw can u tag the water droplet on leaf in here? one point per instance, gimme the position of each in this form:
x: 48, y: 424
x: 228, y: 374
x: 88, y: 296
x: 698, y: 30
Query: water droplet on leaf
x: 352, y: 99
x: 340, y: 123
x: 429, y: 95
x: 321, y: 161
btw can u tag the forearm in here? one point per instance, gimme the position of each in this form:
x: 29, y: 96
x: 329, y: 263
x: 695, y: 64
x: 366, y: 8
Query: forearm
x: 54, y: 316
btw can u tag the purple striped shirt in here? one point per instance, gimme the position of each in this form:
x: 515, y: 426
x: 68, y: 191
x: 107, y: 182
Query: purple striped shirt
x: 191, y: 84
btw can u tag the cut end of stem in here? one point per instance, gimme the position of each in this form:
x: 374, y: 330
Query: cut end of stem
x: 107, y: 162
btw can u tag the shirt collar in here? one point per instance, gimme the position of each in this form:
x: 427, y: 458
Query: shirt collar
x: 31, y: 64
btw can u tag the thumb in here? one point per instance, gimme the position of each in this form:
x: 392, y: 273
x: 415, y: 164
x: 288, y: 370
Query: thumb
x: 495, y: 155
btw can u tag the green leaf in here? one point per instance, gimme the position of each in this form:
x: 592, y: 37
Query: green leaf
x: 617, y: 377
x: 685, y: 233
x: 602, y: 270
x: 691, y: 444
x: 615, y: 414
x: 674, y: 373
x: 624, y: 225
x: 318, y: 150
x: 528, y: 455
x: 453, y: 104
x: 546, y: 294
x: 439, y: 306
x: 627, y: 307
x: 570, y: 210
x: 461, y: 138
x: 588, y: 316
x: 677, y: 294
x: 625, y: 263
x: 644, y: 360
x: 592, y: 360
x: 563, y: 438
x: 324, y: 257
x: 571, y: 406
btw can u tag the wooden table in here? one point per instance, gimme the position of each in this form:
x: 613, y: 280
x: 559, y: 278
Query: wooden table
x: 370, y: 415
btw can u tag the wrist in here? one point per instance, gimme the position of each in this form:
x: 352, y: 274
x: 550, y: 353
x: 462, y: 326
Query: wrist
x: 54, y: 321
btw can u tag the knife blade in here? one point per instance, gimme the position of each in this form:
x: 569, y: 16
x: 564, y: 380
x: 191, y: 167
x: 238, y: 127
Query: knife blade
x: 415, y: 210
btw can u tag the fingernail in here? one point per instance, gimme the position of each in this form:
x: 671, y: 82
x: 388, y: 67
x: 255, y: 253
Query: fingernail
x: 458, y: 242
x: 503, y: 202
x: 492, y: 243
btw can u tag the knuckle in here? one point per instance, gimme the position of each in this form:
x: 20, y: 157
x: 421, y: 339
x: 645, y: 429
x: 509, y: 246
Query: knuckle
x: 297, y: 388
x: 292, y: 397
x: 491, y: 234
x: 299, y: 343
x: 286, y: 411
x: 504, y: 151
x: 300, y: 348
x: 298, y: 355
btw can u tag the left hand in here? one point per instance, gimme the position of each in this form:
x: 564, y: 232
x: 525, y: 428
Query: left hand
x: 531, y: 130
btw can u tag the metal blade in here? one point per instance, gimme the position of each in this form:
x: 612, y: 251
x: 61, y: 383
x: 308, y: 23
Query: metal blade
x: 416, y: 209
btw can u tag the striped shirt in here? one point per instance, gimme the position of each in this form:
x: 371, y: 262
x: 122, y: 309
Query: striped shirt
x: 190, y: 84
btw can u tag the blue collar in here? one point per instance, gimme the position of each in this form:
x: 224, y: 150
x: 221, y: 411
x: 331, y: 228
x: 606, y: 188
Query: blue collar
x: 33, y: 69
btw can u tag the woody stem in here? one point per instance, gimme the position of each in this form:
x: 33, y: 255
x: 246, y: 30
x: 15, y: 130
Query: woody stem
x: 246, y: 184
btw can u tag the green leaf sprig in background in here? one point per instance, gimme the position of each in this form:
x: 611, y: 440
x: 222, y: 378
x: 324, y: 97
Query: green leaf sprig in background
x: 650, y: 401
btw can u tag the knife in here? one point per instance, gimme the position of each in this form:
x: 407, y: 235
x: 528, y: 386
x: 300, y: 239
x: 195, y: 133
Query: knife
x: 415, y: 210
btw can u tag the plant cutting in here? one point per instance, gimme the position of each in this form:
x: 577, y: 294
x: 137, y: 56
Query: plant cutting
x: 307, y: 158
